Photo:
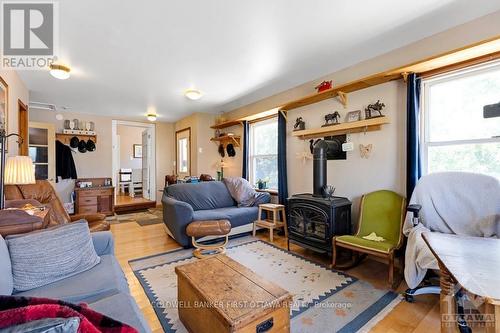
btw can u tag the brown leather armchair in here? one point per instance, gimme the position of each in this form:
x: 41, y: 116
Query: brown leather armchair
x: 44, y: 193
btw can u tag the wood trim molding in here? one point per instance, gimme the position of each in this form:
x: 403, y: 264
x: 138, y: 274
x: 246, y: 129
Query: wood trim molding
x: 23, y: 119
x: 6, y: 125
x: 262, y: 118
x: 461, y: 65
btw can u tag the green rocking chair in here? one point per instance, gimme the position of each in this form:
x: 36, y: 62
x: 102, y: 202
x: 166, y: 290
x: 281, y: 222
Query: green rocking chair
x: 379, y: 233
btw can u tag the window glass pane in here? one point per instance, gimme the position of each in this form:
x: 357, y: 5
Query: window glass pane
x: 39, y: 154
x: 183, y: 152
x: 456, y: 107
x: 480, y: 158
x: 266, y: 168
x: 38, y: 136
x: 41, y: 171
x: 265, y: 138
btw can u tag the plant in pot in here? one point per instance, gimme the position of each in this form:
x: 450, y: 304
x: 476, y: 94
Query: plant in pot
x: 262, y: 183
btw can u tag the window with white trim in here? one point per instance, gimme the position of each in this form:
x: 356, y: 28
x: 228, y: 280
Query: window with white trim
x: 263, y: 152
x: 456, y: 135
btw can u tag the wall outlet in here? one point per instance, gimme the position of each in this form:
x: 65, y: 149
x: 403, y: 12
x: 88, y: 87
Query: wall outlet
x: 200, y: 150
x: 347, y: 146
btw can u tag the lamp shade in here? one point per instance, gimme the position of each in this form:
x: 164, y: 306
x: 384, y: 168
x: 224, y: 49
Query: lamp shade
x: 19, y: 170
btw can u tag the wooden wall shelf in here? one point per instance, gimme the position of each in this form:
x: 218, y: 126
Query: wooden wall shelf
x: 227, y: 139
x: 373, y: 124
x: 66, y: 138
x: 226, y: 124
x: 341, y: 91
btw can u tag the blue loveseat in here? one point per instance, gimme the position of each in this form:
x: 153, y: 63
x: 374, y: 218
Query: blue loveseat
x: 185, y: 203
x: 103, y: 287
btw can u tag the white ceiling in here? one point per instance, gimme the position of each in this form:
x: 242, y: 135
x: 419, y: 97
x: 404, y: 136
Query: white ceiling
x: 127, y: 56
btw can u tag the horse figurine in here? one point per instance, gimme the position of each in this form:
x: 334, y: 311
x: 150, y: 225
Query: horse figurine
x: 371, y: 109
x: 299, y: 124
x: 332, y: 119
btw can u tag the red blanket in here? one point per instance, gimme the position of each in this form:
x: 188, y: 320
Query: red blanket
x: 15, y: 310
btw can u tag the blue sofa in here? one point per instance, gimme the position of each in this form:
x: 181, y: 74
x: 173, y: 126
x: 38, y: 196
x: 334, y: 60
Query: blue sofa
x: 103, y: 287
x: 185, y: 203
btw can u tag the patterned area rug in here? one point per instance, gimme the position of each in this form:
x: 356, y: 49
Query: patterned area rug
x: 147, y: 217
x: 324, y: 300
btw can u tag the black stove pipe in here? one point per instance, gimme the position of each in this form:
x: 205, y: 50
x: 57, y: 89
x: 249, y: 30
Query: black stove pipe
x: 319, y: 168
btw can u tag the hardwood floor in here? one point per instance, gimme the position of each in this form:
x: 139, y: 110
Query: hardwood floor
x: 133, y: 241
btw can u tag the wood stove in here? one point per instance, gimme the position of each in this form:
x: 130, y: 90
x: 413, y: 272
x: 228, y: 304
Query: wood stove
x: 313, y: 221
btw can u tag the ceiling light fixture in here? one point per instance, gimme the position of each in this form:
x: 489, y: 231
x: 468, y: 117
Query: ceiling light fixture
x: 193, y: 94
x: 151, y: 116
x: 60, y: 72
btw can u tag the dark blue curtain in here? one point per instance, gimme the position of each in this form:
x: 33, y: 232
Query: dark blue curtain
x: 244, y: 171
x: 413, y: 162
x: 282, y: 176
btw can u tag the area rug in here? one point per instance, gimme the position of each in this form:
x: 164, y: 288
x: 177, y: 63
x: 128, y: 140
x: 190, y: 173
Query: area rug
x: 324, y: 300
x: 144, y: 218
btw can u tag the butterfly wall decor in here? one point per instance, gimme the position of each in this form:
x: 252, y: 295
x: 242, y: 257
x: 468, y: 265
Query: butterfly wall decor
x: 304, y: 156
x: 365, y: 151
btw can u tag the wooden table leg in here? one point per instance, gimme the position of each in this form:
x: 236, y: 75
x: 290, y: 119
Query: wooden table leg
x: 271, y: 230
x: 283, y: 213
x: 492, y: 312
x: 447, y: 302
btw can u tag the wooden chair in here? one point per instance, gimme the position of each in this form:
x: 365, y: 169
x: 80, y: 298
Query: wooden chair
x: 382, y: 213
x: 170, y: 180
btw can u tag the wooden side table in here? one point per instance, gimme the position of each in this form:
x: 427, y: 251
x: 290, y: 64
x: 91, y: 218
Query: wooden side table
x: 273, y: 223
x: 472, y: 264
x: 18, y: 221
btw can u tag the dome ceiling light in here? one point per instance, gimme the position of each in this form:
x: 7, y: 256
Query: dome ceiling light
x: 193, y: 94
x: 60, y: 72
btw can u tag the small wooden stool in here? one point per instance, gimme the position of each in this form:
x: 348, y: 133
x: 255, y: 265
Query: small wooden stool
x: 208, y: 228
x: 275, y: 222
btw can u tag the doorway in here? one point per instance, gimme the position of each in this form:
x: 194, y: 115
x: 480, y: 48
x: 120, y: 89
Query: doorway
x: 183, y: 152
x: 134, y: 165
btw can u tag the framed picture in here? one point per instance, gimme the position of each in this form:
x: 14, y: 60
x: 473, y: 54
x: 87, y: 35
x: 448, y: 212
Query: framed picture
x: 354, y: 116
x: 4, y: 104
x: 137, y: 151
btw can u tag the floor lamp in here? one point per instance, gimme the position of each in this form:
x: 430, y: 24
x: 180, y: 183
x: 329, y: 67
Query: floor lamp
x: 16, y: 170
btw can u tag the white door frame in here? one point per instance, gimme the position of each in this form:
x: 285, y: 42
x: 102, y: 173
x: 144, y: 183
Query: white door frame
x: 116, y: 152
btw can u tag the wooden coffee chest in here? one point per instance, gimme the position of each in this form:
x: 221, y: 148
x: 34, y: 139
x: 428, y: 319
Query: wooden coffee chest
x: 217, y: 294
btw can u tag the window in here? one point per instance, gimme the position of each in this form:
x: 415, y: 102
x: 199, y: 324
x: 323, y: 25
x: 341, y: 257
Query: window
x: 263, y: 152
x: 183, y: 156
x: 456, y: 136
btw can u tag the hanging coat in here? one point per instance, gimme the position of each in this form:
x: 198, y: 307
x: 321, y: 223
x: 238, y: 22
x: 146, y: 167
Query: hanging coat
x: 65, y: 165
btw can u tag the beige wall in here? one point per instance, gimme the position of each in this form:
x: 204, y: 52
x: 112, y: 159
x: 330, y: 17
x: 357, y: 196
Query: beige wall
x: 17, y: 91
x: 99, y: 162
x: 165, y: 155
x: 90, y: 164
x: 129, y: 136
x: 204, y: 156
x: 385, y: 169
